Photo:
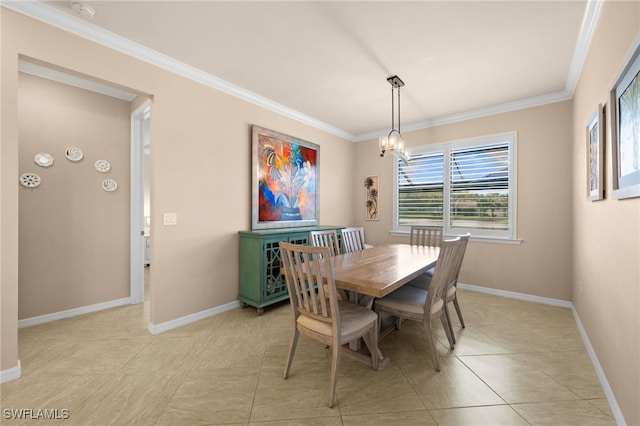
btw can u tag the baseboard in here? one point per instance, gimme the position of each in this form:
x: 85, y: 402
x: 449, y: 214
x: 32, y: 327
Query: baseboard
x: 11, y: 373
x: 519, y: 296
x: 613, y: 404
x: 191, y: 318
x: 42, y: 319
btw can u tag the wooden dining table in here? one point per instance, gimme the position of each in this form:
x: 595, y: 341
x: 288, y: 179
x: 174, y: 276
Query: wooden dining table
x: 379, y: 270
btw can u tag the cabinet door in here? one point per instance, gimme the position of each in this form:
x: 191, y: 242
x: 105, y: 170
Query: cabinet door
x: 274, y: 283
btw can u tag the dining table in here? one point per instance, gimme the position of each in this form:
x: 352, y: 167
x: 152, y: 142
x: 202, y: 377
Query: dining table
x: 377, y: 271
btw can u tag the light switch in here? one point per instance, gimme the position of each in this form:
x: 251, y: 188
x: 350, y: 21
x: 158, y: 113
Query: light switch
x: 169, y: 219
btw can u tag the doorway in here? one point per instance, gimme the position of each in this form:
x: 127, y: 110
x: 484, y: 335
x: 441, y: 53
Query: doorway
x: 140, y: 201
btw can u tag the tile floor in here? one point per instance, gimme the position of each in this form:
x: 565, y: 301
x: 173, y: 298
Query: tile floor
x: 516, y: 363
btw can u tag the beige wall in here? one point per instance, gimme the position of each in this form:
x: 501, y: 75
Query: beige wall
x: 73, y: 235
x: 606, y: 290
x: 541, y: 264
x: 200, y: 169
x: 201, y: 155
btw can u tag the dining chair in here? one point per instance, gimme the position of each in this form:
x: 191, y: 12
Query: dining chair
x: 412, y: 303
x: 428, y: 236
x: 352, y: 239
x: 425, y: 236
x: 316, y: 311
x: 451, y: 292
x: 326, y: 238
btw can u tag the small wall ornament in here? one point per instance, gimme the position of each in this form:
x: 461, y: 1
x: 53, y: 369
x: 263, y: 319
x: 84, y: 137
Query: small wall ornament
x: 30, y: 180
x: 371, y: 198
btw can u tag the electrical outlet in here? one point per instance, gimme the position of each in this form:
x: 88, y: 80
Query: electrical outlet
x: 170, y: 219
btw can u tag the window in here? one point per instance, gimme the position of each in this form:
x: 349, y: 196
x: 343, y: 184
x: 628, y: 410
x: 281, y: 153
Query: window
x: 464, y: 186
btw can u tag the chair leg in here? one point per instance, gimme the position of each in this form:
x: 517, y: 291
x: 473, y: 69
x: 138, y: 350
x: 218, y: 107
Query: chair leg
x: 447, y: 328
x: 292, y: 350
x: 452, y: 341
x: 458, y: 311
x: 432, y: 344
x: 335, y: 364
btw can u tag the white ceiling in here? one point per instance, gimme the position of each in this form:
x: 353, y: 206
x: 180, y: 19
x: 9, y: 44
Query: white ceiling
x: 328, y: 61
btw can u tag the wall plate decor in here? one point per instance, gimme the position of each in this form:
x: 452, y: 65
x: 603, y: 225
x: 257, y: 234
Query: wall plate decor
x: 43, y: 159
x: 102, y: 166
x: 109, y: 185
x: 30, y: 180
x: 73, y: 153
x: 285, y: 180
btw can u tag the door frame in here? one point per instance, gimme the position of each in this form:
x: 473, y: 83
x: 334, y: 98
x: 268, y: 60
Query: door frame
x: 139, y: 134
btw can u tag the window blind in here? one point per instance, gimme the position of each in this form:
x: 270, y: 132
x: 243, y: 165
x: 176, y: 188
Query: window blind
x: 479, y: 179
x: 421, y: 190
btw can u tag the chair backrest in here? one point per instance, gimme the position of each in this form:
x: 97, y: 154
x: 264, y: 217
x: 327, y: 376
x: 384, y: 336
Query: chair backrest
x: 426, y: 236
x: 442, y: 276
x: 327, y: 238
x: 464, y: 240
x: 310, y: 281
x: 352, y: 239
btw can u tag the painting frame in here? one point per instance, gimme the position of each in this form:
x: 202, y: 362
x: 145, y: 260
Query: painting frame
x: 595, y: 137
x: 371, y: 201
x: 285, y: 180
x: 625, y: 145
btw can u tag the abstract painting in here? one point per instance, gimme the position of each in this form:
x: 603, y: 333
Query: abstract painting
x: 285, y: 180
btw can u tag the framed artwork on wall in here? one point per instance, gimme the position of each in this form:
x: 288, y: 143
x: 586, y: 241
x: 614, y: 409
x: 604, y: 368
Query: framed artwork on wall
x: 624, y: 113
x: 595, y: 155
x: 285, y: 180
x: 371, y: 198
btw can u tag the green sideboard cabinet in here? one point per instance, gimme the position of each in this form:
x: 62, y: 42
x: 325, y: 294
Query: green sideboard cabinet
x: 261, y: 283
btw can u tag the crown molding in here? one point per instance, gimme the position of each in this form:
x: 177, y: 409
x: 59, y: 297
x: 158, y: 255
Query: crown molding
x: 54, y: 17
x: 69, y: 23
x: 477, y: 113
x: 72, y: 80
x: 587, y: 29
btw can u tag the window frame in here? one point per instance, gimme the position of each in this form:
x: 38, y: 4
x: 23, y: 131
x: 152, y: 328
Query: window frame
x: 511, y: 138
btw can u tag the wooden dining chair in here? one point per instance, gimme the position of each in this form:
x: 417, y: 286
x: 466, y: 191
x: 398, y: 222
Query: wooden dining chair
x: 352, y: 239
x: 428, y: 236
x: 326, y: 238
x: 316, y: 311
x: 425, y: 236
x: 451, y: 292
x: 412, y: 303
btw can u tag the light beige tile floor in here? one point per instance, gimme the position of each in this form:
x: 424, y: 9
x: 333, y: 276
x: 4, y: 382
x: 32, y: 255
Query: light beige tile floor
x: 516, y: 363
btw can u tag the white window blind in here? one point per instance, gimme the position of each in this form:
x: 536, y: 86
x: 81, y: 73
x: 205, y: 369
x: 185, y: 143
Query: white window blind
x: 463, y: 186
x: 480, y: 187
x: 421, y: 185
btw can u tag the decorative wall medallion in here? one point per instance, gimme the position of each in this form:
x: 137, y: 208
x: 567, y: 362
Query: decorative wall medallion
x: 73, y: 153
x: 109, y: 185
x: 102, y: 166
x: 30, y: 180
x: 43, y: 159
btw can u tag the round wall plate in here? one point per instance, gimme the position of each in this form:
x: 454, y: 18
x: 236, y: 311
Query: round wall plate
x: 43, y: 159
x: 73, y: 153
x: 30, y: 180
x: 102, y: 166
x: 109, y: 185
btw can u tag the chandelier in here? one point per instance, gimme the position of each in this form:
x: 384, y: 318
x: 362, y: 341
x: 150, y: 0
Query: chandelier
x: 393, y: 143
